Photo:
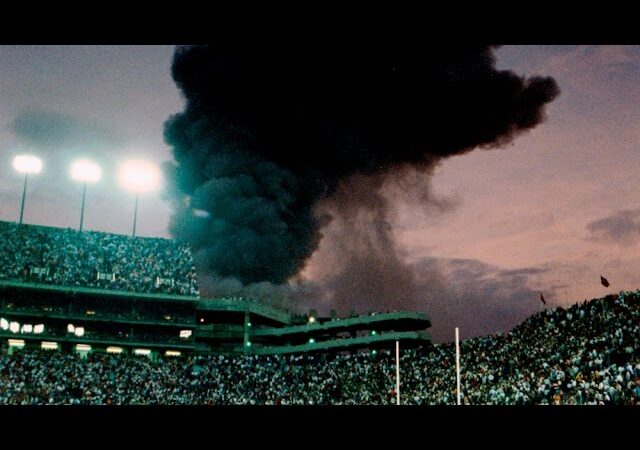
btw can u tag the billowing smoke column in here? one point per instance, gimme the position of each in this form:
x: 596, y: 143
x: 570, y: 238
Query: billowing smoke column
x: 268, y: 135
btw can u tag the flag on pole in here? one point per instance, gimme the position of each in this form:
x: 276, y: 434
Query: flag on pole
x: 542, y: 299
x: 604, y: 281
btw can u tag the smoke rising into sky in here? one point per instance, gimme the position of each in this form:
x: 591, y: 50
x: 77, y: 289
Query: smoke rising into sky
x: 280, y: 148
x: 558, y: 200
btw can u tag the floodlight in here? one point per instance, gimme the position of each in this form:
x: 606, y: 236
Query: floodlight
x: 38, y: 329
x: 27, y: 328
x: 172, y: 353
x: 139, y: 176
x: 142, y: 351
x: 85, y: 171
x: 4, y: 324
x: 79, y: 331
x: 16, y: 343
x: 14, y: 327
x: 49, y: 345
x: 312, y: 341
x: 114, y: 349
x: 312, y: 319
x: 27, y: 164
x: 71, y: 328
x: 83, y: 347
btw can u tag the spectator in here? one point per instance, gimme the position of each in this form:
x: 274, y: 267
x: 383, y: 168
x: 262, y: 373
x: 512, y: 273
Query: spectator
x: 96, y: 260
x: 584, y: 355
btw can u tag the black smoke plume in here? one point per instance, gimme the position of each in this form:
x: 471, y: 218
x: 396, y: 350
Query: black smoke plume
x: 276, y: 145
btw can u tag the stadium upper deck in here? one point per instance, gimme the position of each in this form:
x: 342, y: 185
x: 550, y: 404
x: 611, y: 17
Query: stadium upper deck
x: 137, y: 293
x: 96, y: 260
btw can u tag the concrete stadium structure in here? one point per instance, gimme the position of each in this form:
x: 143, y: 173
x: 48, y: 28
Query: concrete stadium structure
x: 84, y: 319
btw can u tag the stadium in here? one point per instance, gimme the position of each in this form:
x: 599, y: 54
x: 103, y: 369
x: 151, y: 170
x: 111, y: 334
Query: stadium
x: 362, y: 171
x: 97, y: 318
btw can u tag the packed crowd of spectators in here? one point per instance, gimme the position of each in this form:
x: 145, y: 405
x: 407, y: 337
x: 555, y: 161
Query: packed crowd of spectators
x: 588, y: 354
x: 95, y: 259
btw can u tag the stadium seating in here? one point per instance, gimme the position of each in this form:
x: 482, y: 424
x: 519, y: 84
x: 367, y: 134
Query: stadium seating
x: 586, y: 354
x: 95, y: 260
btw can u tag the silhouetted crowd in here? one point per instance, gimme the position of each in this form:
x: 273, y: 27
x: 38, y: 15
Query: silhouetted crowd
x: 96, y: 260
x: 587, y: 354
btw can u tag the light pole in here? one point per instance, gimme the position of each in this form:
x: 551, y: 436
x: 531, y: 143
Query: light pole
x: 87, y: 172
x: 26, y: 164
x: 138, y: 177
x: 135, y: 216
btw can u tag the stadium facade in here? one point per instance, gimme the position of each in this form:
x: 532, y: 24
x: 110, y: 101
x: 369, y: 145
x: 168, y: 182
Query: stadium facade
x: 90, y: 291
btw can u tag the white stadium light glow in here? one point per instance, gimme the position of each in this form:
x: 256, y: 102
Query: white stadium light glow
x: 27, y: 328
x: 16, y: 343
x: 172, y: 353
x: 38, y: 329
x: 312, y: 319
x: 114, y: 349
x: 83, y: 347
x: 4, y: 324
x: 79, y: 331
x: 85, y: 171
x: 71, y: 328
x: 142, y: 351
x: 49, y: 345
x: 139, y: 176
x: 14, y: 327
x: 27, y: 164
x: 185, y: 333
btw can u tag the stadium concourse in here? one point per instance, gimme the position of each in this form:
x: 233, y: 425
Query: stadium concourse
x: 587, y: 354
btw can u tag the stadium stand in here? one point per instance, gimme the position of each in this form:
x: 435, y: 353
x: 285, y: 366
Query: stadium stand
x: 92, y: 259
x: 587, y: 354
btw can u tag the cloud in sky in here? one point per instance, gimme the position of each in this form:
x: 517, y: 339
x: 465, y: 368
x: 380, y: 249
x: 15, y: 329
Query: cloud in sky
x: 477, y: 297
x: 621, y: 227
x: 53, y: 130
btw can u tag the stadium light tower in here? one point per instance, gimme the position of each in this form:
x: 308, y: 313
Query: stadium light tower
x: 138, y: 177
x: 85, y: 171
x: 26, y: 164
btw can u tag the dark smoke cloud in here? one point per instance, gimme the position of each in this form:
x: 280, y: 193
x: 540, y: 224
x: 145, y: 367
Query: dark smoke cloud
x: 358, y: 264
x: 477, y: 297
x: 289, y: 150
x: 622, y: 228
